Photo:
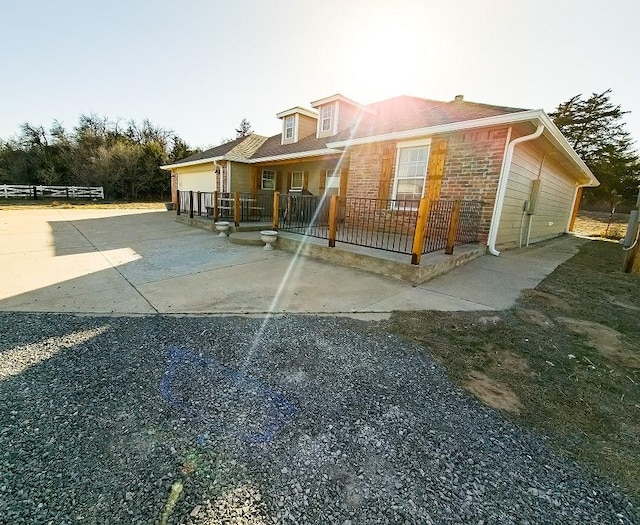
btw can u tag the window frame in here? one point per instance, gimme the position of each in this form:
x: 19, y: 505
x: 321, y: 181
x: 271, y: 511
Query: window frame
x: 271, y: 176
x: 324, y: 118
x: 289, y: 126
x: 296, y: 188
x: 408, y: 145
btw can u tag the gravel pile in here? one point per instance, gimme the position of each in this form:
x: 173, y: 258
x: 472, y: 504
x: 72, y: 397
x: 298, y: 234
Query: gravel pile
x: 206, y: 421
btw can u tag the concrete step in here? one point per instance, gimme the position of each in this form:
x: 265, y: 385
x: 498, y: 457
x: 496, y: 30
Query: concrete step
x: 246, y: 238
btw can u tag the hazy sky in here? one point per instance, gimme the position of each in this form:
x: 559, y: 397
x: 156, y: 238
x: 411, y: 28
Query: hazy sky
x: 199, y: 67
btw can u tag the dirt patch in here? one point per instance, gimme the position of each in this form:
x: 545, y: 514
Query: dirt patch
x: 608, y: 342
x: 546, y: 299
x: 493, y: 393
x: 510, y: 362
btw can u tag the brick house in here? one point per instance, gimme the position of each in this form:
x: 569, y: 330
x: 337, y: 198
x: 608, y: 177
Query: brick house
x: 398, y: 151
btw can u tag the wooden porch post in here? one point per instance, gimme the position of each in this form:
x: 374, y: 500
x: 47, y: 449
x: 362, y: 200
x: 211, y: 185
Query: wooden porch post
x: 276, y: 209
x: 191, y: 204
x: 178, y: 202
x: 333, y: 220
x: 421, y: 226
x: 199, y: 204
x: 576, y: 207
x: 453, y: 228
x: 215, y: 206
x: 236, y: 209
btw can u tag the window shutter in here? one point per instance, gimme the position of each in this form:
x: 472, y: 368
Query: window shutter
x: 386, y: 169
x: 305, y: 180
x: 323, y: 180
x: 255, y: 182
x: 288, y: 181
x: 435, y: 169
x: 344, y: 177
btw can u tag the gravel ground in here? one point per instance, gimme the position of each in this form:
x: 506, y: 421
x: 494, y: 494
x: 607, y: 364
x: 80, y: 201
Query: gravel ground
x: 207, y: 421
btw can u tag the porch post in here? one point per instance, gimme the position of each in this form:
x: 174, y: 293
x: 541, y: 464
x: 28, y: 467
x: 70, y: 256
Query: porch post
x: 191, y: 204
x: 178, y: 203
x: 333, y: 220
x: 453, y: 228
x: 236, y: 209
x: 199, y: 204
x: 215, y: 206
x: 276, y: 209
x: 421, y: 226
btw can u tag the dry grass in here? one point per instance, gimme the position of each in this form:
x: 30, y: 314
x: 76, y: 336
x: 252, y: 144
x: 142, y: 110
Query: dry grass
x: 601, y: 224
x: 565, y: 361
x: 15, y: 204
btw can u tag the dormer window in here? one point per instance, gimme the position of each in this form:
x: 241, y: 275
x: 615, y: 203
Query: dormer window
x: 288, y: 127
x: 327, y: 118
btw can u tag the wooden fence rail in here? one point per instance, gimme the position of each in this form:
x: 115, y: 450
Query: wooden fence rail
x: 11, y: 191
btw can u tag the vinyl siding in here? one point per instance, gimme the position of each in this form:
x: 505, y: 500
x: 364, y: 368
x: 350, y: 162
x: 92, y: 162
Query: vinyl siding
x: 554, y: 203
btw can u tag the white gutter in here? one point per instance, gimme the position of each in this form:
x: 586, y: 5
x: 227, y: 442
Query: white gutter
x: 191, y: 163
x: 298, y: 155
x: 502, y: 186
x: 509, y: 118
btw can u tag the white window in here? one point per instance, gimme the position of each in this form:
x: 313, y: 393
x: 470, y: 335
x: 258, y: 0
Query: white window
x: 327, y: 118
x: 332, y: 182
x: 297, y: 180
x: 288, y: 127
x: 411, y: 173
x: 268, y: 180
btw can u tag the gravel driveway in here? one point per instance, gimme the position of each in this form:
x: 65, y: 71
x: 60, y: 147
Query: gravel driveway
x: 235, y: 420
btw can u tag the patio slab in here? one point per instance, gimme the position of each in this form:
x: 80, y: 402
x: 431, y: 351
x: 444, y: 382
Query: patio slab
x: 145, y: 262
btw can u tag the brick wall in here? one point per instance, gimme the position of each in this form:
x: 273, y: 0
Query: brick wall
x: 472, y: 169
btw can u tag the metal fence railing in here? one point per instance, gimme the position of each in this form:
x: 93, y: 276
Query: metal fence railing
x: 229, y: 206
x: 383, y: 224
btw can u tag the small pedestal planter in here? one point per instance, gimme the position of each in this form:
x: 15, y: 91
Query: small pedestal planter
x: 268, y: 237
x: 223, y: 228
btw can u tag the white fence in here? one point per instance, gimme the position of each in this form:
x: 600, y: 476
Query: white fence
x: 9, y: 191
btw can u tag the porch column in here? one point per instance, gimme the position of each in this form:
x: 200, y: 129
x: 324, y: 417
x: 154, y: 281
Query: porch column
x: 421, y: 226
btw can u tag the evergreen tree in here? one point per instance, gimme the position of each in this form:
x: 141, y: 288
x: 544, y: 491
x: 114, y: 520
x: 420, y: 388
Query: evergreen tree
x: 596, y: 130
x: 244, y: 130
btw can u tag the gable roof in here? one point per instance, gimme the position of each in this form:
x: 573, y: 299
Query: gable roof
x: 240, y: 149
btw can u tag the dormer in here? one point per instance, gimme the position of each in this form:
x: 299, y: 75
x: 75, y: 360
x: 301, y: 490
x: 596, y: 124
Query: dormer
x: 297, y: 123
x: 335, y: 113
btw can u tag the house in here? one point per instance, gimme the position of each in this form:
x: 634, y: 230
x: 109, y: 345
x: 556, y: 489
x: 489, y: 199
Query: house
x: 514, y: 162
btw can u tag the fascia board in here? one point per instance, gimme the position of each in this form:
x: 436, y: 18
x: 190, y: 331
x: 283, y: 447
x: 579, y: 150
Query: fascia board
x: 298, y: 155
x: 510, y: 118
x: 191, y: 163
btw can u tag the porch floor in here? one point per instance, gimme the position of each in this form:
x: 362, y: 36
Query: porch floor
x: 389, y: 264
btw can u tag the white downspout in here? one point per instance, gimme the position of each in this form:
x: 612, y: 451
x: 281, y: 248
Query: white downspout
x: 502, y: 186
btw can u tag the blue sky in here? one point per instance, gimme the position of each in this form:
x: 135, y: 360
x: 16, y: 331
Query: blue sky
x: 198, y: 68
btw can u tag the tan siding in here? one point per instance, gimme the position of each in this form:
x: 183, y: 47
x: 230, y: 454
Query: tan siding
x: 240, y: 177
x: 306, y: 126
x: 554, y: 201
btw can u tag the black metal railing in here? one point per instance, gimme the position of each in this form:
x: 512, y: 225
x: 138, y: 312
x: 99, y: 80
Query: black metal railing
x: 222, y: 205
x: 384, y: 224
x: 304, y: 214
x: 469, y: 225
x: 438, y: 223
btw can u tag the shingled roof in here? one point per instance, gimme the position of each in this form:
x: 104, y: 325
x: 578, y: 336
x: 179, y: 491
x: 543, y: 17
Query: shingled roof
x: 406, y: 113
x: 241, y: 148
x: 401, y: 113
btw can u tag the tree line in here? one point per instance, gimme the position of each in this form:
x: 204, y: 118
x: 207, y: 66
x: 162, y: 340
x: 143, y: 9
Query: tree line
x: 124, y: 159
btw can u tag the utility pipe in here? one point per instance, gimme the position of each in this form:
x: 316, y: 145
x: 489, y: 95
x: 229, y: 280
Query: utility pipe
x: 502, y: 186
